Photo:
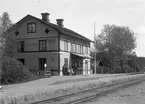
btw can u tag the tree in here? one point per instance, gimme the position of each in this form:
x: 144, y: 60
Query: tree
x: 5, y: 22
x: 6, y: 42
x: 117, y: 40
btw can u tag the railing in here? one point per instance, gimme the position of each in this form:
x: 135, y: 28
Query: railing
x: 42, y: 73
x: 47, y: 73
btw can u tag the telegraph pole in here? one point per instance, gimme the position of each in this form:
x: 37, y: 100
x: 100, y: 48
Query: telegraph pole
x: 95, y: 48
x: 134, y: 53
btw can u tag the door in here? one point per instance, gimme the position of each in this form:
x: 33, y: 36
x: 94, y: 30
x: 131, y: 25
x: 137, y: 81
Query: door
x: 42, y: 62
x: 66, y: 61
x: 86, y: 66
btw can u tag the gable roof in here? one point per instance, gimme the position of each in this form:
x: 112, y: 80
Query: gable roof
x: 54, y: 26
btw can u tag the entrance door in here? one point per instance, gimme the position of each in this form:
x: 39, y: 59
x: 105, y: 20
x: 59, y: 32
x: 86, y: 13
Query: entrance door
x: 42, y: 61
x: 77, y: 64
x: 86, y: 66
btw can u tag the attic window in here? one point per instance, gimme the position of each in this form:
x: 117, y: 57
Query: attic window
x: 31, y: 27
x: 47, y: 30
x: 16, y: 33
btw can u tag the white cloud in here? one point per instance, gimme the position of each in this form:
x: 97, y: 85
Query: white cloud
x: 38, y: 0
x: 121, y: 1
x: 131, y: 9
x: 140, y: 30
x: 124, y: 1
x: 140, y: 50
x: 98, y: 0
x: 66, y: 0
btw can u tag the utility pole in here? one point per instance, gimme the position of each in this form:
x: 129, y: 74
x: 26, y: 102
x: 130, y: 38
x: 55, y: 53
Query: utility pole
x: 95, y: 49
x: 134, y: 53
x: 135, y: 62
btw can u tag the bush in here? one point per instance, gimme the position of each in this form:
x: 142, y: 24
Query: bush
x: 13, y: 71
x: 117, y: 70
x: 99, y: 69
x: 128, y: 69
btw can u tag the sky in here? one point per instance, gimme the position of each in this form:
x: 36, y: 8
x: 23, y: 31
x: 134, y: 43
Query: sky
x: 80, y: 15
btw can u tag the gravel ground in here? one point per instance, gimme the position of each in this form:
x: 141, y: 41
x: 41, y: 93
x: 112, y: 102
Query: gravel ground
x: 134, y: 94
x: 11, y: 90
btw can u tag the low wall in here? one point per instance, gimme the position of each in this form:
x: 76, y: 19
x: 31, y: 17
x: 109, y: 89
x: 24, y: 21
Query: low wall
x: 62, y: 90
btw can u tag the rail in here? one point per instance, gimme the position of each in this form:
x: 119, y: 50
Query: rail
x: 89, y: 94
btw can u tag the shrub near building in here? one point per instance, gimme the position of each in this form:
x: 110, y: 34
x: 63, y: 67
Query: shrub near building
x: 13, y: 71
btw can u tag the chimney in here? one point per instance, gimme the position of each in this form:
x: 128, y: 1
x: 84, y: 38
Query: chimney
x: 45, y: 17
x: 59, y: 22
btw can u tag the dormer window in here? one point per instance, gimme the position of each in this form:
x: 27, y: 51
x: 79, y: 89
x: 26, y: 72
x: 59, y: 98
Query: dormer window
x: 31, y: 27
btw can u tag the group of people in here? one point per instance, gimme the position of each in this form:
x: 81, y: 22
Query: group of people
x: 67, y: 71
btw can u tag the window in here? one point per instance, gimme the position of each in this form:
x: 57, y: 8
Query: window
x: 69, y: 46
x: 73, y: 47
x: 20, y: 46
x: 22, y: 61
x: 76, y: 48
x: 81, y: 48
x: 66, y: 61
x: 65, y: 46
x: 42, y: 45
x: 86, y: 49
x: 51, y: 44
x: 42, y: 61
x: 31, y: 27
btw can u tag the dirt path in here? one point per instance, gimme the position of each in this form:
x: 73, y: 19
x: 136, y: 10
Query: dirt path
x: 130, y: 95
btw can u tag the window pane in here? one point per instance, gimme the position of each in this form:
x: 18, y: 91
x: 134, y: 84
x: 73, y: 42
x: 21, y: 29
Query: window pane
x: 81, y: 49
x: 31, y: 27
x: 86, y: 50
x: 20, y: 46
x: 42, y: 45
x: 75, y: 48
x: 71, y: 47
x: 66, y: 61
x: 65, y: 45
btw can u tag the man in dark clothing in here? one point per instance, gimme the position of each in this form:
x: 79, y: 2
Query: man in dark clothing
x: 65, y: 70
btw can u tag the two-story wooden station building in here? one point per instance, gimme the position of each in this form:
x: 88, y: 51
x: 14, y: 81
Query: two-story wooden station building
x: 41, y: 42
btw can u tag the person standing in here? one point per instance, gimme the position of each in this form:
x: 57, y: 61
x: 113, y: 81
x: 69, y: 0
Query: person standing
x: 65, y: 70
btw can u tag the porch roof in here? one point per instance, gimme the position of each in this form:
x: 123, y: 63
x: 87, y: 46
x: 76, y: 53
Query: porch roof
x: 81, y: 55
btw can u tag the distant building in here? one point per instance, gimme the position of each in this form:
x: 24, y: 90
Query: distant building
x: 40, y: 42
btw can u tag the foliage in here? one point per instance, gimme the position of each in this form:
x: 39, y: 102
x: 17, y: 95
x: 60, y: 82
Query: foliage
x: 6, y: 42
x: 115, y: 39
x: 136, y: 62
x: 105, y: 57
x: 113, y: 44
x: 13, y: 71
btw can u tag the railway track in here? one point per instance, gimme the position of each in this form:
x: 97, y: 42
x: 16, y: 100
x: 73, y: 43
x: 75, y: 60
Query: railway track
x: 88, y: 94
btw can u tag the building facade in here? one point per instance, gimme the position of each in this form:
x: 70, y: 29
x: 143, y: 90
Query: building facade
x: 41, y: 43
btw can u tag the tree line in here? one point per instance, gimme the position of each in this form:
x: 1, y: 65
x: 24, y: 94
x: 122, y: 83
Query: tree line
x: 115, y: 47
